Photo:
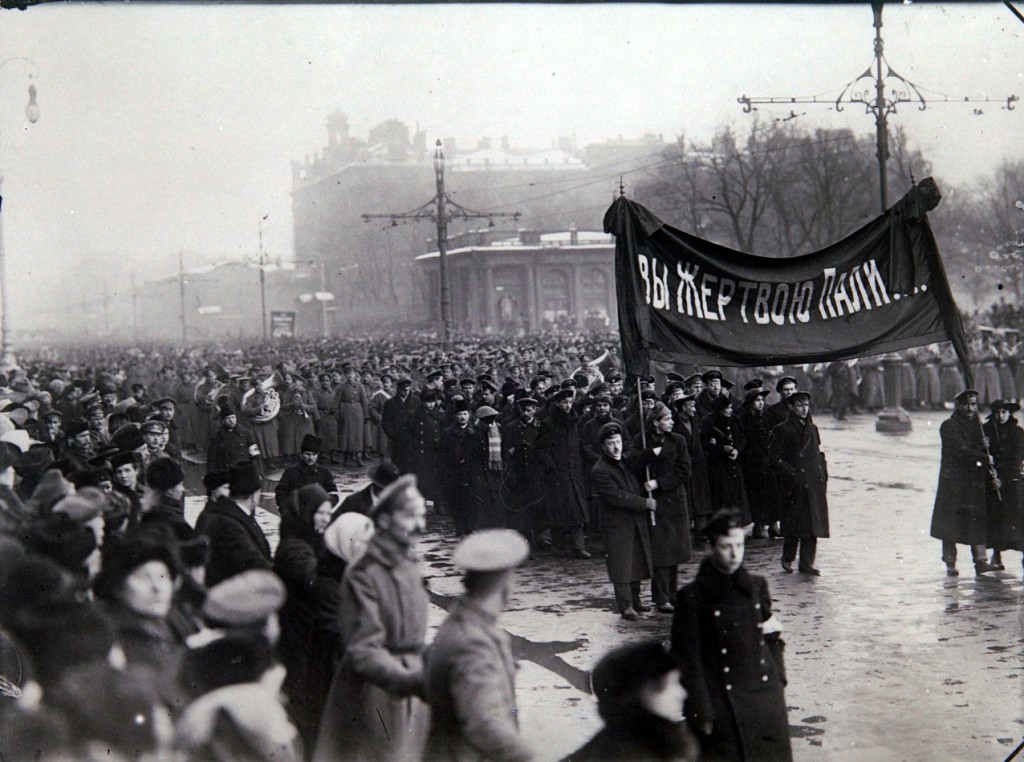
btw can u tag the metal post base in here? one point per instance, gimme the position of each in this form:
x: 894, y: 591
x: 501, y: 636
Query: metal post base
x: 893, y: 420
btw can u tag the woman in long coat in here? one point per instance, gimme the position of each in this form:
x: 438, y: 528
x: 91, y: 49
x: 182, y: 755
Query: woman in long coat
x: 671, y: 540
x: 803, y: 473
x: 352, y: 405
x: 1005, y: 507
x: 758, y: 476
x: 729, y: 649
x: 723, y: 441
x: 374, y: 710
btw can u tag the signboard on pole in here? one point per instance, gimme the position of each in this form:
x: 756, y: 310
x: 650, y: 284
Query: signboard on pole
x: 282, y: 325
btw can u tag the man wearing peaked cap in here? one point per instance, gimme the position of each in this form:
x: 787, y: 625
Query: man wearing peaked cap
x: 470, y: 670
x: 779, y: 412
x: 231, y: 442
x: 373, y: 709
x: 246, y: 602
x: 306, y: 470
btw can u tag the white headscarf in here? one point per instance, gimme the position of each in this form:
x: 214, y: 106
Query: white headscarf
x: 348, y: 536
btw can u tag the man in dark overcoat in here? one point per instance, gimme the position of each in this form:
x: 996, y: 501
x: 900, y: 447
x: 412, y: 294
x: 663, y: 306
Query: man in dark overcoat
x: 237, y: 543
x: 306, y: 470
x: 729, y: 649
x: 560, y: 452
x: 625, y: 520
x: 231, y: 442
x: 803, y: 474
x: 425, y: 438
x: 395, y: 422
x: 456, y: 443
x: 959, y: 515
x: 524, y: 484
x: 671, y: 539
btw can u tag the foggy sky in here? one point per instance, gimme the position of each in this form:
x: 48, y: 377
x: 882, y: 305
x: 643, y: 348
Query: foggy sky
x: 168, y: 129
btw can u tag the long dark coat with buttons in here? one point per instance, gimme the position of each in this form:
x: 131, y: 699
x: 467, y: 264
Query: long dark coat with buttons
x: 959, y: 514
x: 698, y: 487
x: 733, y: 673
x: 671, y: 540
x: 1005, y: 516
x: 796, y: 455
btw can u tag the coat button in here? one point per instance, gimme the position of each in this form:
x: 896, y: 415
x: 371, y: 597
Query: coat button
x: 725, y: 650
x: 728, y: 687
x: 725, y: 669
x: 718, y: 613
x: 764, y: 678
x: 757, y: 605
x: 762, y: 661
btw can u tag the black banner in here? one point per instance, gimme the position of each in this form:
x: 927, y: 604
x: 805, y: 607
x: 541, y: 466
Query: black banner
x: 685, y: 300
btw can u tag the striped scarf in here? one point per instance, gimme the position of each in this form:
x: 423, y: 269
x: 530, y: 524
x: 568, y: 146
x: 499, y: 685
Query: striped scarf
x: 494, y: 447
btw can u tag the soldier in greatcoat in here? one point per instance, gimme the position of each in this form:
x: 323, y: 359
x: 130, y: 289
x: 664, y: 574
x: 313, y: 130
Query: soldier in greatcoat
x: 425, y: 437
x: 959, y: 515
x: 374, y: 710
x: 803, y: 474
x: 470, y: 670
x: 728, y: 645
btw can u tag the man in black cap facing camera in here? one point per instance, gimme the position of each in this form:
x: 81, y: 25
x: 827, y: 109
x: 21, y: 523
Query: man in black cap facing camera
x: 304, y: 471
x: 712, y: 389
x: 231, y: 442
x: 236, y: 541
x: 779, y: 411
x: 395, y: 422
x: 625, y: 521
x: 795, y: 453
x: 470, y: 671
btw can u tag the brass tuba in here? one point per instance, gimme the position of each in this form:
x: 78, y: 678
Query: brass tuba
x: 271, y: 399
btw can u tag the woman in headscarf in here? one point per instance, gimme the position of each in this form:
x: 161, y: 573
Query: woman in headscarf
x: 303, y: 521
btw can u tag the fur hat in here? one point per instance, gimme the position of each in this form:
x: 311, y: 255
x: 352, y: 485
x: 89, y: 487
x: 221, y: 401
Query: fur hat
x: 244, y: 479
x: 164, y: 473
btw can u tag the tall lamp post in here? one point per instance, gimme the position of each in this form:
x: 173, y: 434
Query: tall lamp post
x: 6, y: 353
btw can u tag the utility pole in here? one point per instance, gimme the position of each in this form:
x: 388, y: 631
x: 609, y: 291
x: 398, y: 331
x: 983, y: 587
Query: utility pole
x: 263, y: 282
x: 135, y: 310
x: 877, y: 103
x: 441, y: 209
x: 181, y: 289
x: 893, y: 419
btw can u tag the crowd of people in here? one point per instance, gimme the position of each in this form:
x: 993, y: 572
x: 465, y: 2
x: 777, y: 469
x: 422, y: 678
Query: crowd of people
x: 193, y: 630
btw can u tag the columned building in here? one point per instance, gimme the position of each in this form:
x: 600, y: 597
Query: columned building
x: 528, y: 281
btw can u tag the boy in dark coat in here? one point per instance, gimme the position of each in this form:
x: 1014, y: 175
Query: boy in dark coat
x: 727, y: 644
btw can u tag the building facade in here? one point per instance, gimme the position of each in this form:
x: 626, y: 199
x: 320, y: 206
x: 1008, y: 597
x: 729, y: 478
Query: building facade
x: 525, y: 282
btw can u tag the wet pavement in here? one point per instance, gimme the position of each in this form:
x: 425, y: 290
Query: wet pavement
x: 887, y: 658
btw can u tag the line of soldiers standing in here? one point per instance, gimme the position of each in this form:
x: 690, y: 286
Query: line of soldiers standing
x: 529, y: 457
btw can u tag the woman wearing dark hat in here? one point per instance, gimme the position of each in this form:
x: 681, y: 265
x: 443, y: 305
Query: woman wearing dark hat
x: 136, y: 584
x: 723, y: 442
x: 758, y: 475
x: 640, y: 698
x: 1005, y: 507
x: 727, y: 643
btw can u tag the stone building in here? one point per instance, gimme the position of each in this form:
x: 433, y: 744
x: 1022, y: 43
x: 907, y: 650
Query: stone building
x: 525, y: 281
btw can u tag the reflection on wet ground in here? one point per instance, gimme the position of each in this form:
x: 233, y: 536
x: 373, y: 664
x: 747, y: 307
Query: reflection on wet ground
x: 887, y: 658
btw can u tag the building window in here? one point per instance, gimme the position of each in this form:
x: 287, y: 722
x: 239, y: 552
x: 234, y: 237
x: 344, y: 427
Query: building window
x: 554, y: 295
